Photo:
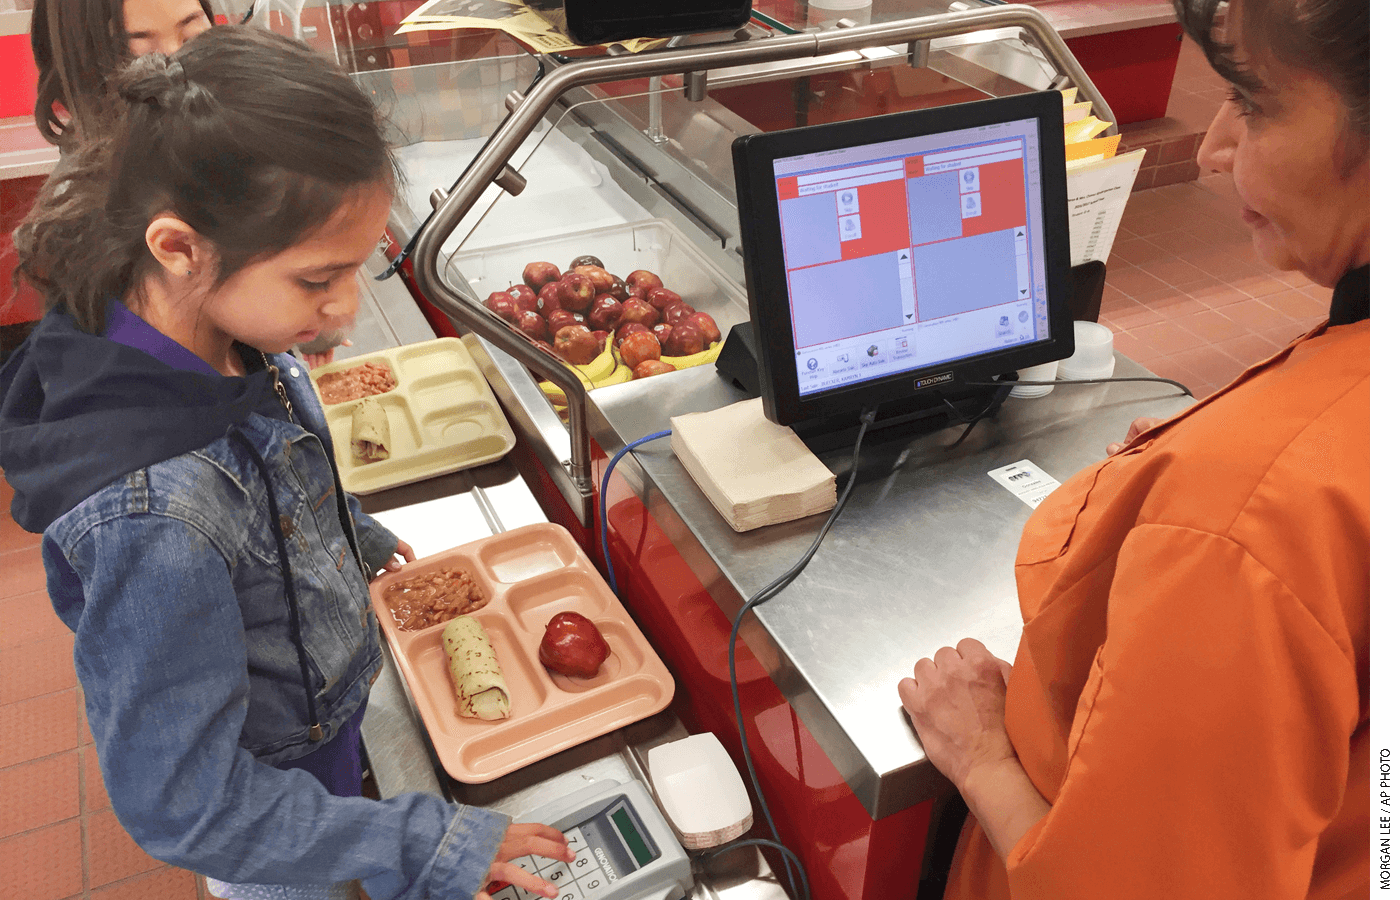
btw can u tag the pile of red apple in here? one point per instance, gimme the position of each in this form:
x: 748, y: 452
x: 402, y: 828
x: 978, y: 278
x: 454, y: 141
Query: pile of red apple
x: 571, y: 314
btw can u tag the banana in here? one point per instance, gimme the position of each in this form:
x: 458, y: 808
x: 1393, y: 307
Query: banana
x: 602, y: 365
x: 620, y: 375
x: 602, y: 368
x: 695, y: 359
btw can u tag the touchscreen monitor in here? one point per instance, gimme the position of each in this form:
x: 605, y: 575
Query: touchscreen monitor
x: 905, y: 255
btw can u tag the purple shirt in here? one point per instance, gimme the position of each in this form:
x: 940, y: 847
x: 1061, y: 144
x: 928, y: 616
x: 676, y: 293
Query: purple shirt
x: 126, y: 327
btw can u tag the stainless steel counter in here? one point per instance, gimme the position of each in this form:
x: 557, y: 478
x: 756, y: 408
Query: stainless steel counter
x: 920, y: 558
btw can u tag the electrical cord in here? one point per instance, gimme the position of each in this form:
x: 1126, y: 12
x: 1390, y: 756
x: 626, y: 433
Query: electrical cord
x: 1184, y: 389
x: 772, y: 845
x: 867, y: 417
x: 603, y: 500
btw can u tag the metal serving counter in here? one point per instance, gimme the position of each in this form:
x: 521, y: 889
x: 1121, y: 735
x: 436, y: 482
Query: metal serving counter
x: 443, y: 512
x: 920, y: 558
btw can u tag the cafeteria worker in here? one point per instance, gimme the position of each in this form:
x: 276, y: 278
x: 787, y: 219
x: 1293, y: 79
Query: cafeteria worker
x: 1188, y: 713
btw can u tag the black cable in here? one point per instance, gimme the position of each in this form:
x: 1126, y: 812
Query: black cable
x: 767, y: 593
x: 760, y: 842
x: 1184, y: 389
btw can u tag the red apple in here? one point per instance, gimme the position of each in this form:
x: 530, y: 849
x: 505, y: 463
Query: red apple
x: 639, y: 347
x: 601, y: 337
x: 662, y: 332
x: 538, y: 274
x: 575, y: 292
x: 503, y: 305
x: 586, y: 261
x: 661, y: 297
x: 576, y: 344
x: 619, y: 289
x: 678, y: 312
x: 606, y: 313
x: 706, y: 323
x: 533, y: 324
x: 635, y: 310
x: 685, y: 340
x: 524, y: 297
x: 649, y: 367
x: 601, y: 278
x: 573, y: 645
x: 548, y: 298
x: 628, y: 328
x: 640, y: 282
x: 562, y: 318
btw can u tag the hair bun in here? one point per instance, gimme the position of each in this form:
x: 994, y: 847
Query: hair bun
x: 158, y: 81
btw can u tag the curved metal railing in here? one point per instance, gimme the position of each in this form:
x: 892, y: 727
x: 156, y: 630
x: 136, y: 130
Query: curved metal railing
x: 491, y: 161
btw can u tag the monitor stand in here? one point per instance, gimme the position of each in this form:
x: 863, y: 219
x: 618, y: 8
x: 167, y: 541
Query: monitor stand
x: 737, y: 365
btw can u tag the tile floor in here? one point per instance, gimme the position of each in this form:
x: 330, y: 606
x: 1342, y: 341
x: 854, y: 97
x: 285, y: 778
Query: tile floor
x: 1185, y: 297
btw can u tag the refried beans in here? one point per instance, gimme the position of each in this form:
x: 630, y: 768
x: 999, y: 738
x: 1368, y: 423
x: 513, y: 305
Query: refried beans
x: 432, y: 598
x: 352, y: 384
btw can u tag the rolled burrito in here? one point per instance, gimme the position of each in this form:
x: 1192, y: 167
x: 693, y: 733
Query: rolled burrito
x: 476, y: 675
x: 369, y: 430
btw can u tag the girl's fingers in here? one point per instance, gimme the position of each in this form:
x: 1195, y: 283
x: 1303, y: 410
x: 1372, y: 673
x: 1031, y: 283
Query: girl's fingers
x: 520, y: 878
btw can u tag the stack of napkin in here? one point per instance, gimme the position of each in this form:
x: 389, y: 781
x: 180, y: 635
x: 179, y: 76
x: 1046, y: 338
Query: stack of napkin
x: 754, y: 472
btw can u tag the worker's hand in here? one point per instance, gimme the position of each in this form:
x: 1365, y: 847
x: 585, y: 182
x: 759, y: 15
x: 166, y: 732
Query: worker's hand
x: 957, y: 702
x: 393, y: 565
x: 1140, y: 424
x: 524, y: 840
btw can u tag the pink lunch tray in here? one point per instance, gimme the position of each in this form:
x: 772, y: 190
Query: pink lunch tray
x: 528, y: 575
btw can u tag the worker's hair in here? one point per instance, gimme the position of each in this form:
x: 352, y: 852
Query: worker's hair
x: 252, y: 139
x: 77, y: 46
x: 1331, y: 38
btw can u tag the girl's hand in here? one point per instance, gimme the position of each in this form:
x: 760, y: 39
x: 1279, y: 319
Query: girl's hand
x: 1138, y: 426
x: 317, y: 360
x: 523, y: 840
x: 957, y: 702
x: 393, y: 565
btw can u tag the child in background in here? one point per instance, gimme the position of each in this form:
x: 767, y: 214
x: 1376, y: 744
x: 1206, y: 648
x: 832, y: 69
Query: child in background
x: 196, y: 537
x: 79, y: 44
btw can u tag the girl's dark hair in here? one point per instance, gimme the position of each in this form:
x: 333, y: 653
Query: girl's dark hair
x: 1329, y: 37
x: 77, y: 46
x: 252, y: 139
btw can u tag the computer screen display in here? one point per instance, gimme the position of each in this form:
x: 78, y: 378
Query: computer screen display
x: 906, y: 247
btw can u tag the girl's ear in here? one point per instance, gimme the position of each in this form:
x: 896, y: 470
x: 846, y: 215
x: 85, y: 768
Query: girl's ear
x: 179, y: 249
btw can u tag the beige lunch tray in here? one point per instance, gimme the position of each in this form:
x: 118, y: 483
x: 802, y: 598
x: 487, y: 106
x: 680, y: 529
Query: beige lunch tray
x: 442, y: 417
x: 528, y: 575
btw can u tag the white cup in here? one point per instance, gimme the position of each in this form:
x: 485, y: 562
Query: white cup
x: 1042, y: 372
x: 1093, y: 353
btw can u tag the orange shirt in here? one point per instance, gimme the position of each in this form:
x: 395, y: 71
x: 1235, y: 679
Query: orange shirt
x: 1191, y: 691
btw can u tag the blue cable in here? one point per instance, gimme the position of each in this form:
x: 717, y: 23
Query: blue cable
x: 603, y: 500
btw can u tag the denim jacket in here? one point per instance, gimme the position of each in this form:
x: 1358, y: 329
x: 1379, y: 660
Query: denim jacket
x: 171, y: 581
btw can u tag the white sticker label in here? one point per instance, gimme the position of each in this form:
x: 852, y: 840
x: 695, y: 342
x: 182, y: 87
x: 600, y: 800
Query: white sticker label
x: 1026, y: 480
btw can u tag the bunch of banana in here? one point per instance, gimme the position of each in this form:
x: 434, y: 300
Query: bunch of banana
x: 606, y: 370
x: 695, y: 359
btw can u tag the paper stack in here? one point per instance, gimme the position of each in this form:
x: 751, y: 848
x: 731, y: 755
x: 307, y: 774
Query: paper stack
x: 755, y: 473
x: 1099, y: 182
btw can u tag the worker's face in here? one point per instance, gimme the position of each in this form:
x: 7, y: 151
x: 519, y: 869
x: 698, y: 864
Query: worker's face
x: 1303, y: 174
x: 161, y: 26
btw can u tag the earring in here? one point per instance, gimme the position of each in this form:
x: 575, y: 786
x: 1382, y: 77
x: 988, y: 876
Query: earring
x: 189, y: 271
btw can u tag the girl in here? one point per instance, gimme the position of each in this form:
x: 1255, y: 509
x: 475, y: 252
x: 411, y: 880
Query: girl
x: 196, y: 537
x: 77, y: 46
